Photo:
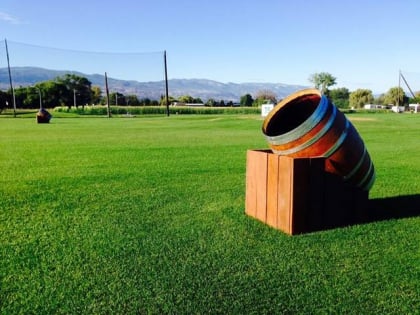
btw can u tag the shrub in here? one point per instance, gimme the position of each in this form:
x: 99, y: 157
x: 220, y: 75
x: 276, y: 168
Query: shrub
x: 156, y: 110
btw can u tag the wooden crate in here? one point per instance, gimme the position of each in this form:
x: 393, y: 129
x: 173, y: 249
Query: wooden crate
x: 296, y: 195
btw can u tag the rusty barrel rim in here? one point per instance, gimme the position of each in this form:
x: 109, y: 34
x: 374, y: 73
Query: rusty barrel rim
x: 298, y: 130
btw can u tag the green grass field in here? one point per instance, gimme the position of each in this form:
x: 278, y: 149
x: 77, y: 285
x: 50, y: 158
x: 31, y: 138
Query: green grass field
x: 146, y: 216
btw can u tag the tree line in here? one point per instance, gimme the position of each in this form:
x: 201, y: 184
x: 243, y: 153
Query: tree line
x: 72, y: 90
x: 343, y: 98
x: 68, y: 90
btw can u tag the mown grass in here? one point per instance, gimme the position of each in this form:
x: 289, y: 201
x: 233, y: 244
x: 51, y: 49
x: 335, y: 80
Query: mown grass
x: 146, y: 215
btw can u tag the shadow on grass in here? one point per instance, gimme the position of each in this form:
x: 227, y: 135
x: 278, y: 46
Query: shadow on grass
x: 365, y: 211
x: 393, y: 208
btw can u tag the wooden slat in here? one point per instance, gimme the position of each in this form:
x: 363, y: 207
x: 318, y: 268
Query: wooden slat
x: 284, y: 194
x: 251, y: 188
x: 272, y: 189
x: 261, y: 183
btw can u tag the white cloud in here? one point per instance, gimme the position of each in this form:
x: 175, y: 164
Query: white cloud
x: 9, y: 18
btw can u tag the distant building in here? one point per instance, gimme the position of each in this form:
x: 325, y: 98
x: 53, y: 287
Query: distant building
x: 373, y: 106
x: 415, y: 108
x: 265, y: 109
x: 398, y: 109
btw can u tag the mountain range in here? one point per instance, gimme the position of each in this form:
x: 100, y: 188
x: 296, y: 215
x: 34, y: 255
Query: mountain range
x: 197, y: 88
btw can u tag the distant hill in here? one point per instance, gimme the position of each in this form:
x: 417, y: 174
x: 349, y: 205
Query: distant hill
x: 202, y: 88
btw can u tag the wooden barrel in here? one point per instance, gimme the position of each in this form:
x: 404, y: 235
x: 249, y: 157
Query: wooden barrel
x: 43, y: 116
x: 306, y: 124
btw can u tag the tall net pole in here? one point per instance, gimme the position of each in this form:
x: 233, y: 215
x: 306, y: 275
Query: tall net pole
x: 10, y: 80
x: 166, y: 84
x: 406, y: 83
x: 107, y: 96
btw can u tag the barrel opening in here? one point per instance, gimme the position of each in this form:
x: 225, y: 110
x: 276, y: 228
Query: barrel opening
x: 292, y: 115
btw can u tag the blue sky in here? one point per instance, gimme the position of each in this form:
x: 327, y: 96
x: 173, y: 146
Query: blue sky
x: 363, y: 44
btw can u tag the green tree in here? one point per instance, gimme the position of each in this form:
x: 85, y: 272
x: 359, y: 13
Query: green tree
x: 266, y: 96
x: 395, y: 96
x: 55, y: 93
x: 117, y: 98
x: 186, y: 99
x: 132, y: 100
x: 61, y: 91
x: 145, y: 102
x: 246, y: 100
x: 211, y: 102
x: 340, y: 97
x: 96, y: 95
x: 20, y: 97
x: 360, y: 97
x: 33, y: 97
x: 415, y: 99
x: 380, y: 100
x: 322, y: 81
x: 45, y: 94
x: 75, y: 86
x: 162, y: 101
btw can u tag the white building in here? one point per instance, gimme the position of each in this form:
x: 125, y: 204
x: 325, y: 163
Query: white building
x: 265, y: 109
x: 373, y: 106
x: 415, y: 108
x: 397, y: 109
